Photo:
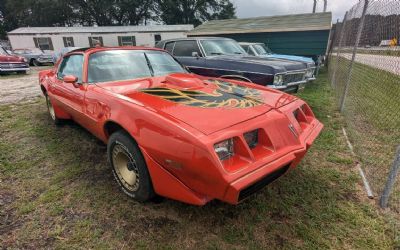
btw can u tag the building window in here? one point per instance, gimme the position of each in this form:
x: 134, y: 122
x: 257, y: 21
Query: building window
x: 157, y: 38
x: 43, y: 43
x: 95, y: 40
x: 68, y: 41
x: 126, y: 41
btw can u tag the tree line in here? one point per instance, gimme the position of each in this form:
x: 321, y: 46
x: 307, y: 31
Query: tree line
x: 42, y: 13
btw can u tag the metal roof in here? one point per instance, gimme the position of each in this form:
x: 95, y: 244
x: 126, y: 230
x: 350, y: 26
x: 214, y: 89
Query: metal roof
x: 299, y: 22
x: 101, y: 29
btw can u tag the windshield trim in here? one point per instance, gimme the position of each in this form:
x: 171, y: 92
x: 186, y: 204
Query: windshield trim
x: 5, y: 51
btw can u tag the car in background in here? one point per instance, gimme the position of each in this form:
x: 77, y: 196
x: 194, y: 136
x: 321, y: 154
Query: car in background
x: 223, y: 57
x: 261, y: 50
x: 35, y: 56
x: 175, y: 134
x: 11, y: 63
x: 59, y: 54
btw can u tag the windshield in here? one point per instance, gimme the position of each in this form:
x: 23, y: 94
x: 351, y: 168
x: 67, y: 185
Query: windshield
x: 261, y: 49
x: 118, y: 65
x: 3, y: 51
x: 222, y: 47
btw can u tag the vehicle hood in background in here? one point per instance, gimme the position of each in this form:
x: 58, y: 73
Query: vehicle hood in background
x: 290, y: 57
x: 10, y: 58
x: 255, y: 64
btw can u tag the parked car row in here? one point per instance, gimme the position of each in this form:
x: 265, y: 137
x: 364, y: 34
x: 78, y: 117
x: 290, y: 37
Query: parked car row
x: 225, y: 58
x: 180, y: 135
x: 214, y: 57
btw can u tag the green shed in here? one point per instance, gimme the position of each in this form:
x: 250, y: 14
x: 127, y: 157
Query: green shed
x: 302, y: 34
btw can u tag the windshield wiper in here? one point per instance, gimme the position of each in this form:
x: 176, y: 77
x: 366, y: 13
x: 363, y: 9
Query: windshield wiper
x: 216, y: 53
x: 237, y: 53
x: 149, y: 65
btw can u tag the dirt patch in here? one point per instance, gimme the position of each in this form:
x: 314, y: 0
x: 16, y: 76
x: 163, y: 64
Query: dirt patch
x: 20, y: 88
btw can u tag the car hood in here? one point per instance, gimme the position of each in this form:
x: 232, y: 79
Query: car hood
x: 290, y: 57
x: 10, y: 58
x: 254, y: 62
x: 206, y: 104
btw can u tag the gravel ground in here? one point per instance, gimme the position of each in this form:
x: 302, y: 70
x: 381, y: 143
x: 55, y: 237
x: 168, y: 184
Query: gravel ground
x: 20, y: 88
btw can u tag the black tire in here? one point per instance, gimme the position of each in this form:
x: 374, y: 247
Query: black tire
x: 35, y: 62
x: 129, y: 167
x: 52, y: 113
x: 21, y: 72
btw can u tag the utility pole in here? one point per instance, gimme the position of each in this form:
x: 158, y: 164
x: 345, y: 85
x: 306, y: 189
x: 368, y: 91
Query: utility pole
x: 325, y: 5
x: 315, y: 6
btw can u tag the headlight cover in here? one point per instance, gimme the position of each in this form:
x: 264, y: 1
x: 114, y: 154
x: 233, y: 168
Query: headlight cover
x: 251, y: 138
x: 224, y: 149
x: 278, y: 80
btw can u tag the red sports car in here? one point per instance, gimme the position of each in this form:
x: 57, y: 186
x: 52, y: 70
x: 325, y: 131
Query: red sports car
x: 176, y: 134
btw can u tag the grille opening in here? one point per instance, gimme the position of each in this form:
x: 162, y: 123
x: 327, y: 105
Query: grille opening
x: 294, y: 77
x: 244, y: 193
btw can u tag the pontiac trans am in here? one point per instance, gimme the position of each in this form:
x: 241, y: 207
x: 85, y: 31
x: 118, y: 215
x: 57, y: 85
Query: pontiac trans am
x: 175, y: 134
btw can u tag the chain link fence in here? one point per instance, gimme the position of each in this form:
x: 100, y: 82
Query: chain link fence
x: 364, y: 70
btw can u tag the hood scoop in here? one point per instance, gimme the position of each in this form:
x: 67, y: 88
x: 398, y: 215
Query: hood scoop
x: 185, y: 81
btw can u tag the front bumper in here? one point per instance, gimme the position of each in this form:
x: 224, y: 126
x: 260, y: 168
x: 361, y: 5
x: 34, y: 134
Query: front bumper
x: 285, y: 135
x: 13, y: 67
x: 246, y: 185
x: 292, y: 87
x: 45, y: 60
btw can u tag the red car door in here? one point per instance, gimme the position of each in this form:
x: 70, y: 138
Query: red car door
x: 70, y: 96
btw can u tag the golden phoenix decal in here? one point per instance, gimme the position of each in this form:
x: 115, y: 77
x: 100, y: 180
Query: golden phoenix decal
x: 227, y: 95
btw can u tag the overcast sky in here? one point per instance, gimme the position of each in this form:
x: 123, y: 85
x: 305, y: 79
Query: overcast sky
x: 253, y: 8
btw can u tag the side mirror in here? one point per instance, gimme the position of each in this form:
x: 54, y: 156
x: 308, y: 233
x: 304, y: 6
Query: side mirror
x: 70, y: 79
x: 195, y: 54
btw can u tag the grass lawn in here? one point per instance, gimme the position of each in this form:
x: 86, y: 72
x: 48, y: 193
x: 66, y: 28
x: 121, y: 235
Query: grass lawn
x: 373, y: 119
x: 57, y: 191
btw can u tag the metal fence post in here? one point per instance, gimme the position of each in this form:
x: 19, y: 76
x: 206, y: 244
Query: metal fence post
x: 359, y: 33
x: 342, y: 31
x: 391, y: 180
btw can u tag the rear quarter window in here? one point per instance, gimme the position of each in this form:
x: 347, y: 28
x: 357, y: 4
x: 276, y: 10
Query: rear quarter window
x: 169, y: 47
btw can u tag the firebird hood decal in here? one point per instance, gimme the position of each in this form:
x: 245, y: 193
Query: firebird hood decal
x: 226, y: 95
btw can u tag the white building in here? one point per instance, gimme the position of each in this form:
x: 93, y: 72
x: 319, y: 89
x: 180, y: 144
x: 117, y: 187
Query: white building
x: 55, y: 38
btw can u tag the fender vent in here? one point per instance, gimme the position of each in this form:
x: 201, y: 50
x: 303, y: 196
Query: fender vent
x: 255, y: 187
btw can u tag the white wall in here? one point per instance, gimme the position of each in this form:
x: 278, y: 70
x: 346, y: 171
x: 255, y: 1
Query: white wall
x: 82, y: 40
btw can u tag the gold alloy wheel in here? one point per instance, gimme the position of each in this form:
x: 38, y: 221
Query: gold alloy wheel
x: 51, y: 109
x: 125, y: 167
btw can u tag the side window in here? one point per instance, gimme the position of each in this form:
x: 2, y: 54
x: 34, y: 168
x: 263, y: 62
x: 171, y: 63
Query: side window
x: 71, y: 65
x: 245, y: 47
x: 185, y: 48
x: 250, y: 51
x: 169, y: 47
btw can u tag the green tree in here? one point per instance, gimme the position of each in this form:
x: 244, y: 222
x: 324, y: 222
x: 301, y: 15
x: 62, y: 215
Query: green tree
x: 193, y: 11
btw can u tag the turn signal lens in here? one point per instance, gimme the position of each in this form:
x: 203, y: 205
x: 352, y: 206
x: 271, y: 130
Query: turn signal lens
x: 224, y: 149
x: 251, y: 138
